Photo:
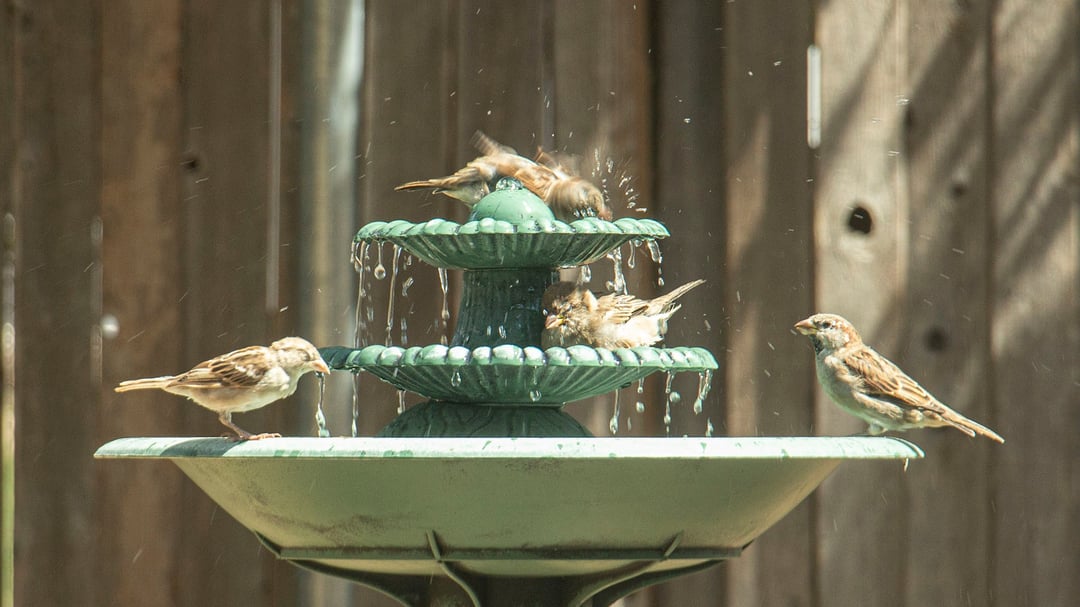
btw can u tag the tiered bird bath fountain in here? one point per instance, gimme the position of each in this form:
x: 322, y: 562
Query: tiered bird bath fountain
x: 489, y: 494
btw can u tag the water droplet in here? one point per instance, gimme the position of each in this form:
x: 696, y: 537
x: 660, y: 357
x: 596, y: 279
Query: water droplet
x: 535, y: 395
x: 455, y: 379
x: 613, y: 424
x: 674, y: 398
x: 641, y: 386
x: 509, y: 183
x: 639, y: 406
x: 708, y: 427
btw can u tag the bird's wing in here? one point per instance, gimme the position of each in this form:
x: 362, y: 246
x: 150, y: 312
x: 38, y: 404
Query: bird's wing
x: 882, y: 379
x: 620, y: 308
x: 488, y: 146
x: 243, y: 368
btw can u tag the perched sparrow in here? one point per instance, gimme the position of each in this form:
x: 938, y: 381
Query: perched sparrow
x: 872, y: 388
x: 570, y: 197
x: 241, y: 380
x: 576, y: 316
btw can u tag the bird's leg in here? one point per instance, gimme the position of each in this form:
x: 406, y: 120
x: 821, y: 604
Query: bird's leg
x: 241, y: 434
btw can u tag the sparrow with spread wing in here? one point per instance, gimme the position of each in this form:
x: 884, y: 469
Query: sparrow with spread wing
x: 871, y: 387
x: 241, y: 380
x: 568, y: 196
x: 577, y: 317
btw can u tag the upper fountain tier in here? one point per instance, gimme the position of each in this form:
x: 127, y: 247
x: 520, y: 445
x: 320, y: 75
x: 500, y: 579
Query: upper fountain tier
x: 511, y: 229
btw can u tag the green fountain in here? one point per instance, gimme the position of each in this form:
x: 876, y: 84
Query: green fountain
x: 488, y: 493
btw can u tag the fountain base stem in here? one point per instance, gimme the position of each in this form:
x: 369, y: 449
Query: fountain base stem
x: 459, y: 420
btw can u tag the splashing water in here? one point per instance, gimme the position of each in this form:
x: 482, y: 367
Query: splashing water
x: 613, y: 424
x: 584, y: 275
x: 320, y: 418
x: 704, y: 385
x: 618, y: 285
x: 535, y: 395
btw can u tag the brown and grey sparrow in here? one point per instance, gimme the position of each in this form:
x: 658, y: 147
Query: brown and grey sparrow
x: 568, y: 196
x: 577, y: 317
x: 872, y: 388
x: 241, y: 380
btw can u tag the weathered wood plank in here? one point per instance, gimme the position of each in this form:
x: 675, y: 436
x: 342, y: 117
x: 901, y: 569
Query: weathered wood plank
x: 861, y: 268
x: 944, y: 343
x: 601, y: 100
x: 226, y: 64
x: 769, y: 284
x: 142, y: 289
x: 8, y: 145
x: 55, y: 191
x: 1035, y: 302
x: 690, y: 186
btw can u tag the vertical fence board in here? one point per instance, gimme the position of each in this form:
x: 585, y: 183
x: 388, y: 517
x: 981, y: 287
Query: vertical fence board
x: 143, y: 283
x: 8, y: 144
x: 57, y: 174
x: 690, y: 185
x: 226, y: 71
x: 770, y: 270
x: 861, y: 525
x: 601, y: 100
x: 1035, y: 302
x: 944, y: 343
x: 406, y: 126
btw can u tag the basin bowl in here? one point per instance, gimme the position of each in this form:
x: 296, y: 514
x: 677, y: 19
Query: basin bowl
x: 522, y: 507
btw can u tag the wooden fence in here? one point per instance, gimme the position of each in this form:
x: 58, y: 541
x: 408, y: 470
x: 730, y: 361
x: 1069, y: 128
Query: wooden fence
x: 182, y: 177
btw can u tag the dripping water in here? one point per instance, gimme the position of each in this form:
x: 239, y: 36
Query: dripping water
x: 613, y: 425
x: 667, y: 403
x: 704, y: 385
x: 380, y: 270
x: 658, y: 259
x: 618, y: 285
x: 640, y: 405
x: 393, y: 282
x: 584, y: 275
x: 400, y: 401
x: 445, y: 314
x: 360, y: 253
x: 708, y: 427
x: 320, y: 418
x: 631, y: 257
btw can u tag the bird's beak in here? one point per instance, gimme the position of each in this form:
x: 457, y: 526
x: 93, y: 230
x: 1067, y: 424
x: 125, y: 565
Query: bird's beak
x: 805, y: 327
x: 552, y: 321
x: 320, y: 367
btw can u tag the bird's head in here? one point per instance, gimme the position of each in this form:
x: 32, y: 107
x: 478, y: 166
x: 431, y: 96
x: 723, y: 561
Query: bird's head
x: 828, y: 331
x: 298, y: 353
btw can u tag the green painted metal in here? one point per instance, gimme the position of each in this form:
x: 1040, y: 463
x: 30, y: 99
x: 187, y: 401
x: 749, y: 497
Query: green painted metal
x: 462, y: 420
x: 512, y: 375
x: 509, y: 507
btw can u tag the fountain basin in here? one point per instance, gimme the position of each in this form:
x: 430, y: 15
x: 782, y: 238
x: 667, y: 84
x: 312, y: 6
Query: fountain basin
x: 492, y: 243
x: 525, y: 507
x: 513, y: 375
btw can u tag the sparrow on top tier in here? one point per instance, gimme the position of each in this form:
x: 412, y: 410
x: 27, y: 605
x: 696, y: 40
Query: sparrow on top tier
x: 568, y: 196
x: 577, y: 317
x: 241, y: 380
x: 872, y: 388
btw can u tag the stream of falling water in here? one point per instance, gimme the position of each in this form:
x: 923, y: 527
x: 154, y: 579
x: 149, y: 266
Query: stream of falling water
x: 618, y: 284
x: 613, y: 425
x: 320, y: 418
x: 392, y: 291
x: 704, y: 385
x: 667, y: 402
x: 445, y: 314
x: 658, y: 258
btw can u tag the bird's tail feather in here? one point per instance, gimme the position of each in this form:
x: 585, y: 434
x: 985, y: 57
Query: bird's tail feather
x: 971, y: 428
x: 664, y: 301
x: 416, y: 185
x: 148, y: 383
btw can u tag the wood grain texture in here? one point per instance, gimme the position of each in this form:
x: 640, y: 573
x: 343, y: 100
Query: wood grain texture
x: 770, y: 269
x: 861, y: 525
x: 57, y: 181
x: 944, y: 341
x: 1035, y: 302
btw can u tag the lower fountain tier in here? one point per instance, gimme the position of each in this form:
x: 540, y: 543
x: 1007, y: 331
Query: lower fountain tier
x: 591, y: 516
x: 513, y: 375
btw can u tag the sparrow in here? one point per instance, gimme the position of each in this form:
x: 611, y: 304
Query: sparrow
x: 242, y: 380
x: 577, y: 317
x: 871, y: 387
x: 568, y: 196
